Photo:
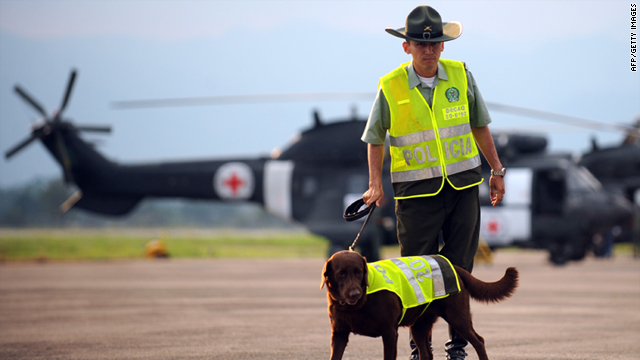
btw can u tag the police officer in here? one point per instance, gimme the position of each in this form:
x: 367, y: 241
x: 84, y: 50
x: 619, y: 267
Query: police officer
x: 437, y: 121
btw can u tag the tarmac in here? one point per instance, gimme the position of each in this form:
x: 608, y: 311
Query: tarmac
x: 274, y: 309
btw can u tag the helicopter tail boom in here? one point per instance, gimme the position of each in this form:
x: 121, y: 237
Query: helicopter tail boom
x: 104, y: 204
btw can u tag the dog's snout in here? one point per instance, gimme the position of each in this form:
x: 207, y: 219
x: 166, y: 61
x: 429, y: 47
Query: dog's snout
x: 353, y: 296
x: 355, y: 293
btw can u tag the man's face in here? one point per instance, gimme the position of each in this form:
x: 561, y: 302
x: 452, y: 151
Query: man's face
x: 425, y: 56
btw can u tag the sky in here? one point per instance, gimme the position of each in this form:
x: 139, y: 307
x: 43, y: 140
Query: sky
x: 567, y: 57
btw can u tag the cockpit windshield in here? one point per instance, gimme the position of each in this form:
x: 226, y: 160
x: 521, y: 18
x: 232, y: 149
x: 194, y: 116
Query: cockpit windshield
x: 579, y: 178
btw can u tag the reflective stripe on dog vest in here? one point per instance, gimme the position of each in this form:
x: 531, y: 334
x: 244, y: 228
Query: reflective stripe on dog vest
x: 429, y: 142
x: 417, y: 280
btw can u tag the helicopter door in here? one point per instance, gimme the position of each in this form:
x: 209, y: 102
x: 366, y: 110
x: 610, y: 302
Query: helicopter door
x: 277, y: 187
x: 552, y: 228
x: 510, y: 221
x: 550, y: 191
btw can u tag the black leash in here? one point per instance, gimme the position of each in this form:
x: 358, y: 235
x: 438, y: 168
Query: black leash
x: 353, y: 213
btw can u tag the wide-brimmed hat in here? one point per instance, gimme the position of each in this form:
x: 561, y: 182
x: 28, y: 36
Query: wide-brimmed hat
x: 425, y: 24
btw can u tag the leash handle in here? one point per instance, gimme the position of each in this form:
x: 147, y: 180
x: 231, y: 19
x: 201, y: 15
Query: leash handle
x: 373, y: 207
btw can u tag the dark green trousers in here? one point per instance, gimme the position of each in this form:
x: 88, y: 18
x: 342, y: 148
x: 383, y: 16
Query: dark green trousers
x: 454, y: 212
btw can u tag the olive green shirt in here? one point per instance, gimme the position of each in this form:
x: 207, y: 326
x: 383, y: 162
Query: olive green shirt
x: 379, y: 121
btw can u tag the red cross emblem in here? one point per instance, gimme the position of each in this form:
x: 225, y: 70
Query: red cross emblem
x: 493, y: 226
x: 234, y: 183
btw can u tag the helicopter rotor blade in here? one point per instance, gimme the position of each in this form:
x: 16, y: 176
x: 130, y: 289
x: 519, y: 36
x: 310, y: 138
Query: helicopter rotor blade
x: 92, y: 128
x: 240, y: 99
x: 563, y: 119
x: 28, y: 98
x: 290, y: 97
x: 24, y: 143
x: 67, y: 95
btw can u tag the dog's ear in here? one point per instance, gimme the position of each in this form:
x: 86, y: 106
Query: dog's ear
x: 325, y: 273
x: 365, y: 276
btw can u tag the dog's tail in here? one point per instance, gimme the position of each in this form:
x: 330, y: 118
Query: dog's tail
x: 489, y: 292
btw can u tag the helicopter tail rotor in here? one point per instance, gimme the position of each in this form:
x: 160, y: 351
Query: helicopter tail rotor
x: 39, y: 132
x: 54, y: 124
x: 24, y: 143
x: 67, y: 95
x: 29, y: 99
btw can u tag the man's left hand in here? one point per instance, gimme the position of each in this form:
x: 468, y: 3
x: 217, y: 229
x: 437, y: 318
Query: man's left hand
x: 496, y: 183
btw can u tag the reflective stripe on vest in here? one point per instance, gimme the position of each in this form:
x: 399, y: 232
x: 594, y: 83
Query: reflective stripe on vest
x: 417, y: 290
x: 438, y: 279
x: 428, y: 143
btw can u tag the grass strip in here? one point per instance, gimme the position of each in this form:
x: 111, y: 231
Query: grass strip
x: 24, y: 245
x: 113, y: 244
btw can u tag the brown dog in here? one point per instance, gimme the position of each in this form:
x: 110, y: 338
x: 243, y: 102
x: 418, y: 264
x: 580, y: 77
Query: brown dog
x: 352, y: 310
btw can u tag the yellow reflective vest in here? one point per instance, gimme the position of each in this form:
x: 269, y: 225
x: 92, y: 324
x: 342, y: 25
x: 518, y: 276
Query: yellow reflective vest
x: 417, y: 280
x: 430, y: 142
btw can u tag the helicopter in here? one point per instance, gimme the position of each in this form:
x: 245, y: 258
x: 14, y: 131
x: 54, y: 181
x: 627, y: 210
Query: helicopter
x: 324, y: 170
x: 552, y: 203
x: 310, y: 182
x: 617, y: 167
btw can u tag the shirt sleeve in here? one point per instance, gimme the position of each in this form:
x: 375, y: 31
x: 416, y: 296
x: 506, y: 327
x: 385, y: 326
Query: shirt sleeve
x: 479, y: 114
x: 375, y: 132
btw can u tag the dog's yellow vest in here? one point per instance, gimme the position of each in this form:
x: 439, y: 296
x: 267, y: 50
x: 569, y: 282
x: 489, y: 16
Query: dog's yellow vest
x: 417, y: 280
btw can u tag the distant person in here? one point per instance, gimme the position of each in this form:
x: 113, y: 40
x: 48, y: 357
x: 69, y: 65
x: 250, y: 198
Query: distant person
x: 435, y: 117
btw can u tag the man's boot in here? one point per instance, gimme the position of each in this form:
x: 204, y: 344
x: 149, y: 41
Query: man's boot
x: 455, y: 346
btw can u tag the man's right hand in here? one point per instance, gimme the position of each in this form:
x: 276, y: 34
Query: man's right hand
x: 375, y: 155
x: 374, y: 194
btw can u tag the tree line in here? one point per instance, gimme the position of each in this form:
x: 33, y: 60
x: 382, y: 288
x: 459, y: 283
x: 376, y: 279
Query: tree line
x: 36, y: 204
